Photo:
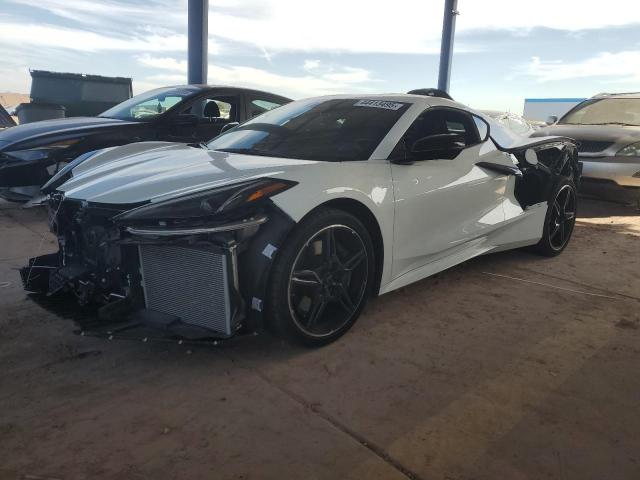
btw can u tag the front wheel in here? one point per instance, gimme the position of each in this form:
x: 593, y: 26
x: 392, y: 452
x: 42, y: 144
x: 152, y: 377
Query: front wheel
x: 322, y: 278
x: 560, y: 219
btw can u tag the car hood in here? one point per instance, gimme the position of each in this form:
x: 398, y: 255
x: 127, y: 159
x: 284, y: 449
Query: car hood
x: 156, y: 171
x: 617, y: 135
x: 33, y: 135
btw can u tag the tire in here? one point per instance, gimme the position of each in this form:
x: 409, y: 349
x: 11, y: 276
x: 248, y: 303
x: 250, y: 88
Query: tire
x: 559, y: 220
x: 321, y: 278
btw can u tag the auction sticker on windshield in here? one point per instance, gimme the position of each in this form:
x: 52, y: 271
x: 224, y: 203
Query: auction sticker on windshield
x: 379, y: 104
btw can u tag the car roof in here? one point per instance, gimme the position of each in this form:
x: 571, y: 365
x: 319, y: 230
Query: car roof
x: 425, y: 100
x: 617, y: 95
x: 205, y: 87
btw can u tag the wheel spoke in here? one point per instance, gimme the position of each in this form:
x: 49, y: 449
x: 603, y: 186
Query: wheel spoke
x: 555, y: 231
x: 345, y: 300
x: 557, y: 211
x: 317, y: 309
x: 329, y: 244
x: 566, y: 199
x: 354, y: 261
x: 306, y: 277
x: 569, y: 215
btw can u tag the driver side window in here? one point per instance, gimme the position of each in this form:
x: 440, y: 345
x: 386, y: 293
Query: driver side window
x: 438, y: 133
x: 215, y: 110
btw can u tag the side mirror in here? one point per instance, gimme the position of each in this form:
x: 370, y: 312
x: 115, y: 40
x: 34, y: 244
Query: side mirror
x: 551, y: 119
x: 442, y: 142
x: 184, y: 120
x: 228, y: 127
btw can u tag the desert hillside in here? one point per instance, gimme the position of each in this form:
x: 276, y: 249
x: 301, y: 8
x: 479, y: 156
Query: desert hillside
x: 11, y: 99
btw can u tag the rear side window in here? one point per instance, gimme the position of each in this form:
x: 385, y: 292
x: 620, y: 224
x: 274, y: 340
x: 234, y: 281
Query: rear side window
x: 258, y: 106
x: 217, y: 109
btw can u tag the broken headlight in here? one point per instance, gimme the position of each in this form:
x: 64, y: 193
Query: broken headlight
x: 224, y: 203
x: 632, y: 150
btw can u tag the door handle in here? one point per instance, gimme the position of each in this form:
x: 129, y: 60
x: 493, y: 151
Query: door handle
x: 502, y: 169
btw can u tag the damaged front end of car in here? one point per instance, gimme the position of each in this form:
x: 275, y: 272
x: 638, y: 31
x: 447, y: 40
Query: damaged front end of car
x: 193, y: 267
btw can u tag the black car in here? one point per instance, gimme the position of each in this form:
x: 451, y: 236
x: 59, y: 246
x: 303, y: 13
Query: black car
x: 30, y: 154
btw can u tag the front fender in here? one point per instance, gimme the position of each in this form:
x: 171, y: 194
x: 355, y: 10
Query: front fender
x: 255, y: 262
x: 366, y: 182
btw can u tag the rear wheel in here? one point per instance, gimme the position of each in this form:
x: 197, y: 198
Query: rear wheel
x: 322, y: 278
x: 560, y: 219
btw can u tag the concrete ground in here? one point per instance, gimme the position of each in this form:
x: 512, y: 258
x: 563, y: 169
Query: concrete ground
x: 510, y: 366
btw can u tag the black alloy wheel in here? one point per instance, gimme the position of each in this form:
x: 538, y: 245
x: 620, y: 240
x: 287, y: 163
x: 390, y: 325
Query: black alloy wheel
x: 562, y: 218
x: 327, y: 280
x: 322, y: 278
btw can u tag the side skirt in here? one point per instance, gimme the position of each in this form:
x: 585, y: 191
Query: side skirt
x: 521, y: 231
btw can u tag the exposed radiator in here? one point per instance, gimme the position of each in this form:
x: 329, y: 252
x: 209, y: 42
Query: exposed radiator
x: 189, y: 283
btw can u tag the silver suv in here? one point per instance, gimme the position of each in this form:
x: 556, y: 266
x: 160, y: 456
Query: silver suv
x: 607, y: 127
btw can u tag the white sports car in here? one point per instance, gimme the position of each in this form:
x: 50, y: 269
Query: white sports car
x: 294, y: 218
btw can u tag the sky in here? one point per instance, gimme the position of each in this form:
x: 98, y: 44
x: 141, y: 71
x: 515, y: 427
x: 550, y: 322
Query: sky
x: 505, y: 51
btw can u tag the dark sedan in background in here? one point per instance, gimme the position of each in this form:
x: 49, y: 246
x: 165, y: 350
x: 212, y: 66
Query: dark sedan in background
x: 607, y: 127
x: 30, y: 154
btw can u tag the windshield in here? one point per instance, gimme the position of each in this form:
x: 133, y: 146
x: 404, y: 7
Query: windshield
x: 315, y: 129
x: 148, y: 105
x: 605, y: 111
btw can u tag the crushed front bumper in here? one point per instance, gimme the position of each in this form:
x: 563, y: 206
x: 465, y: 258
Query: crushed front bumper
x: 181, y: 292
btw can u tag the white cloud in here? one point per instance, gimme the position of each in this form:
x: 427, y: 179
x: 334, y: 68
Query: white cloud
x: 330, y: 79
x: 108, y: 14
x: 81, y: 40
x: 271, y: 26
x: 311, y: 65
x: 624, y: 66
x: 164, y: 63
x: 406, y: 26
x: 571, y: 15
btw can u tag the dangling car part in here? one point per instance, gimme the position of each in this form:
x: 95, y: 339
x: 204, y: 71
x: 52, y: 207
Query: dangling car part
x: 31, y: 154
x: 294, y: 219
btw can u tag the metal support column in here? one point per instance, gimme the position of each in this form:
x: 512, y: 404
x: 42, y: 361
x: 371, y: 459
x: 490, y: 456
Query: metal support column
x: 446, y: 49
x: 198, y: 19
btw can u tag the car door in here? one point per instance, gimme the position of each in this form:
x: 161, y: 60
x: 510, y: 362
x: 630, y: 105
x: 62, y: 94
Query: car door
x: 201, y: 119
x: 214, y: 112
x: 444, y: 200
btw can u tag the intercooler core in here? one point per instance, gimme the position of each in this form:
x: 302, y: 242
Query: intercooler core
x: 190, y: 283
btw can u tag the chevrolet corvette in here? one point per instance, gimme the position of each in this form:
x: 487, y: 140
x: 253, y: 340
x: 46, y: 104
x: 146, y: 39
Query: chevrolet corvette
x: 293, y: 219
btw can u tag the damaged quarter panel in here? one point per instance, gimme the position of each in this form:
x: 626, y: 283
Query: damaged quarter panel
x: 557, y: 158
